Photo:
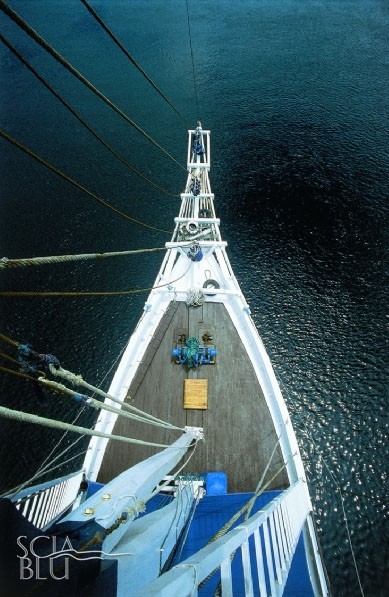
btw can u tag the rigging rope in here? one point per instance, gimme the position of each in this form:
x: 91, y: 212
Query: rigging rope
x: 9, y: 341
x: 5, y: 262
x: 61, y: 389
x: 43, y: 468
x: 80, y: 119
x: 237, y: 515
x: 15, y: 490
x: 333, y: 477
x: 92, y: 293
x: 193, y: 65
x: 131, y: 58
x: 43, y: 43
x: 58, y: 371
x: 76, y: 184
x: 78, y: 380
x: 58, y: 387
x: 24, y: 417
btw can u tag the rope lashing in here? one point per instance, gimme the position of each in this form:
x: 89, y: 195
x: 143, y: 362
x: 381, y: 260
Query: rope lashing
x: 81, y: 120
x: 20, y: 374
x: 43, y: 43
x: 75, y: 183
x: 24, y: 417
x: 5, y: 262
x: 32, y: 362
x: 79, y: 381
x: 131, y: 58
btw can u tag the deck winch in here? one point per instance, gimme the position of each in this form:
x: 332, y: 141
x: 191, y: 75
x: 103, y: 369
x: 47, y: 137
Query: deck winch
x: 191, y: 352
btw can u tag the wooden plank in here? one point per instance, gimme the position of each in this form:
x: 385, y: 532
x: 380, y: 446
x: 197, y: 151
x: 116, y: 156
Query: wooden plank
x: 196, y: 394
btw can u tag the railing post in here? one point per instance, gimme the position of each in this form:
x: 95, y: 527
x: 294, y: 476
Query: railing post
x: 269, y: 558
x: 275, y: 547
x: 280, y: 535
x: 226, y: 578
x: 248, y: 577
x: 259, y: 560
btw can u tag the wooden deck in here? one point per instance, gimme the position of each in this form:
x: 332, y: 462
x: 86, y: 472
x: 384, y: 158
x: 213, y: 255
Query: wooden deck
x: 238, y: 430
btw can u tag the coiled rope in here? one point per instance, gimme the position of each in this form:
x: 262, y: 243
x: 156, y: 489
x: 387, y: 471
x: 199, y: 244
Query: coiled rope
x: 46, y: 46
x: 5, y: 262
x: 195, y: 298
x: 81, y: 120
x: 131, y: 58
x: 75, y: 183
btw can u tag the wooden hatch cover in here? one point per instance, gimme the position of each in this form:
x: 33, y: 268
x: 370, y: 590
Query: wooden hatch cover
x: 196, y: 393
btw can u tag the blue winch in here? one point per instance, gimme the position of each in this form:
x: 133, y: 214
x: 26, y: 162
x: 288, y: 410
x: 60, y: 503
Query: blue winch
x: 193, y: 354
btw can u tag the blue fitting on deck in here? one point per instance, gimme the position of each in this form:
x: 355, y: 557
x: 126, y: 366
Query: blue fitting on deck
x: 193, y: 354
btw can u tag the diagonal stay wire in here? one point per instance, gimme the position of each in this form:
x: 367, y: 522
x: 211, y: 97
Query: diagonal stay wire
x: 48, y: 48
x: 131, y: 58
x: 92, y: 293
x: 79, y: 118
x: 76, y: 184
x: 192, y: 57
x: 334, y: 479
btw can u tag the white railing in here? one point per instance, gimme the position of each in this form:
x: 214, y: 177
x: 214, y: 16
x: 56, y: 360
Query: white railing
x: 43, y: 504
x: 272, y: 534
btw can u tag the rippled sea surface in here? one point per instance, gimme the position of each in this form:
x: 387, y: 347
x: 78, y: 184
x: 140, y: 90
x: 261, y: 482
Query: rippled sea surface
x: 296, y: 95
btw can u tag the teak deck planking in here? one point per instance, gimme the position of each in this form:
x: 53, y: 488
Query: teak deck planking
x: 238, y: 429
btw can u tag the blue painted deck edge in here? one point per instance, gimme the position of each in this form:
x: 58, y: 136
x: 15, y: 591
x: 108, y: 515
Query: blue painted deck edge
x: 212, y: 513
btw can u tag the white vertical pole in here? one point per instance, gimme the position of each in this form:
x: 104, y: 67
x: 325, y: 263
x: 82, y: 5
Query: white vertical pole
x: 260, y: 566
x: 275, y: 547
x: 248, y: 578
x: 269, y: 557
x: 226, y: 578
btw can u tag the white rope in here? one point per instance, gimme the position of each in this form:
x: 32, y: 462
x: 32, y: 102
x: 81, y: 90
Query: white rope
x: 96, y: 403
x: 14, y: 490
x: 23, y: 417
x: 195, y: 298
x: 139, y: 506
x: 5, y: 262
x: 79, y: 381
x: 43, y: 469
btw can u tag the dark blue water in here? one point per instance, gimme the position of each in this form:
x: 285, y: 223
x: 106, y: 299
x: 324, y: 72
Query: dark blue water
x: 296, y: 95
